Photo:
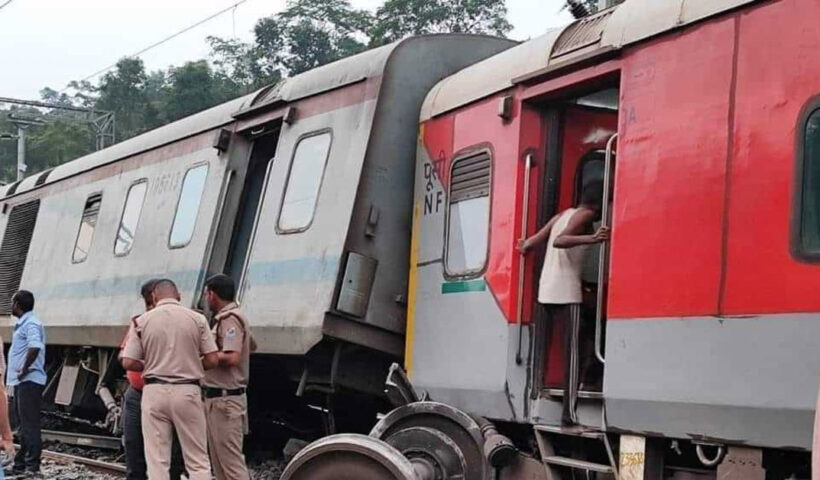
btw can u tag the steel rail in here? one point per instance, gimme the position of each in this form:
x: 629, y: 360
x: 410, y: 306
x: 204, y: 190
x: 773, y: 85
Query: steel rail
x: 105, y: 467
x: 83, y: 440
x: 97, y: 465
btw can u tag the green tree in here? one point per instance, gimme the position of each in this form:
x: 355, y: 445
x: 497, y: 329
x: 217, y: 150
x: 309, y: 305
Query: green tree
x: 310, y: 33
x: 8, y: 149
x: 57, y: 142
x: 241, y: 66
x: 60, y: 139
x: 53, y: 96
x: 123, y: 92
x: 397, y: 19
x: 307, y: 34
x: 191, y: 88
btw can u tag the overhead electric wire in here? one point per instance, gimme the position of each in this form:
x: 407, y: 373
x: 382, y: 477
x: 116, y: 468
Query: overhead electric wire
x: 5, y: 3
x: 164, y: 40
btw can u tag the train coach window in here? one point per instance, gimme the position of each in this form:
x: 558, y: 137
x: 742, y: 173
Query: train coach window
x: 808, y: 208
x: 88, y: 224
x: 468, y: 215
x: 302, y: 191
x: 193, y: 185
x: 130, y: 218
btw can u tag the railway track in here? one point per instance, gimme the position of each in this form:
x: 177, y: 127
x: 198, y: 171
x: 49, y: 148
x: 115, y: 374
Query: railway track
x: 83, y: 440
x: 108, y: 468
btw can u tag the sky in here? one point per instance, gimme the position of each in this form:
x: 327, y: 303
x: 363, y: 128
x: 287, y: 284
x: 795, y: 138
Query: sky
x: 51, y: 42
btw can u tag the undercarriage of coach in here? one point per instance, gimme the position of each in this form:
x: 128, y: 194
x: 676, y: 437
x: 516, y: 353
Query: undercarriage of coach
x: 84, y: 389
x: 336, y: 387
x: 426, y: 440
x: 418, y: 440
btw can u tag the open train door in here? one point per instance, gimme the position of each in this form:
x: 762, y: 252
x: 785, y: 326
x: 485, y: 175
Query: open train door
x: 583, y: 136
x: 252, y: 189
x: 251, y: 155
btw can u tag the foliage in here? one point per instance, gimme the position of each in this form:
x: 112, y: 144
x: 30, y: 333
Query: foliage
x: 310, y: 33
x: 57, y: 142
x: 307, y: 34
x: 397, y: 19
x: 192, y: 88
x: 123, y: 91
x: 242, y: 66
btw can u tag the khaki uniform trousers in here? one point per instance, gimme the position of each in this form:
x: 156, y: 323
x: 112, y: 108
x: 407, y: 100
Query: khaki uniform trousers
x: 226, y: 430
x: 168, y: 407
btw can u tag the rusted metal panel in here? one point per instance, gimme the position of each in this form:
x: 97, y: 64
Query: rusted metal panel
x: 524, y: 468
x: 742, y: 464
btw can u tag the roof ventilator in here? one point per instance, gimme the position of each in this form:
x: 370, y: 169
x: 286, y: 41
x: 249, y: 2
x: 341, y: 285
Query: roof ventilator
x: 583, y: 33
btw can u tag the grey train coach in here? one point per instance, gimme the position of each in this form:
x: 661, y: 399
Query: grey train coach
x: 301, y: 191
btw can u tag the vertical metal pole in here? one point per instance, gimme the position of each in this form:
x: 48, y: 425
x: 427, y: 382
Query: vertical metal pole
x: 602, y: 259
x: 21, y: 152
x: 521, y: 259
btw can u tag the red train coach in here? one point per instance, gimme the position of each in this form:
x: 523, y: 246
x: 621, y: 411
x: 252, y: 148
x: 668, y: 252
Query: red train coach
x: 700, y: 360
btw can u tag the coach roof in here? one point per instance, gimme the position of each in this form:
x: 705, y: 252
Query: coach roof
x: 611, y: 29
x: 328, y: 77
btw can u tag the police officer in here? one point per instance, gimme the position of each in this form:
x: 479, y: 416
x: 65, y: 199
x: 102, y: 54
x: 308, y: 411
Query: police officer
x: 224, y: 387
x: 132, y: 410
x: 173, y: 346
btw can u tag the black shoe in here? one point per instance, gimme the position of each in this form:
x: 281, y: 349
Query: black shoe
x: 11, y: 473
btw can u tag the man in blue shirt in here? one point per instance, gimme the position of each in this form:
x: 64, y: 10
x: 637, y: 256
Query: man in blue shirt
x: 27, y: 378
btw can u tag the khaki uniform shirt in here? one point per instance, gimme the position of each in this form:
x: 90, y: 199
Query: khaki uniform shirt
x: 232, y: 335
x: 170, y: 340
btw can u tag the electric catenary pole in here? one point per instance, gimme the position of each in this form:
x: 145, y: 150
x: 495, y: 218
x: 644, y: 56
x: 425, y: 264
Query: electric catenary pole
x: 101, y: 122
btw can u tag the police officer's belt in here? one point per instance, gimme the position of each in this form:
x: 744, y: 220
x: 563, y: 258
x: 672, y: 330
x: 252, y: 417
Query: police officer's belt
x: 210, y: 392
x: 159, y: 381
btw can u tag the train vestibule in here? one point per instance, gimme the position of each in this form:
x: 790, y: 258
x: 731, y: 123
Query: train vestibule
x: 584, y: 130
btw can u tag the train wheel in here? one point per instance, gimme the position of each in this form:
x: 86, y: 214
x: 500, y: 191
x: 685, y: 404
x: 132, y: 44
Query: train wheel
x: 349, y: 457
x: 446, y: 439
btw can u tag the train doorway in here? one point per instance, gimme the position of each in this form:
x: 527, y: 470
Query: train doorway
x: 262, y: 157
x: 580, y: 131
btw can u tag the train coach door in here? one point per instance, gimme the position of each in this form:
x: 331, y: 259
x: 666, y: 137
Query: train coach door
x: 578, y: 159
x: 253, y: 186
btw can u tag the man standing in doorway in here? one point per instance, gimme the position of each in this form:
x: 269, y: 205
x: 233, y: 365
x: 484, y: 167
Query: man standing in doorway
x: 226, y: 405
x: 26, y: 378
x: 560, y: 291
x: 172, y: 346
